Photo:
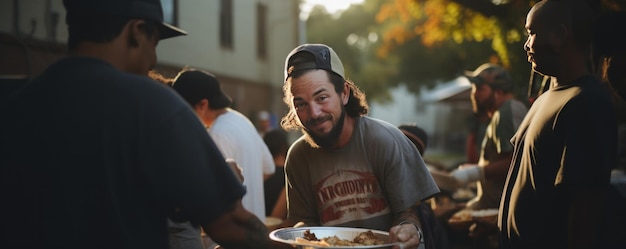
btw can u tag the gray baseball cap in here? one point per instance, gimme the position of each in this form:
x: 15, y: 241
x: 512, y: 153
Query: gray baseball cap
x: 491, y: 74
x: 313, y: 56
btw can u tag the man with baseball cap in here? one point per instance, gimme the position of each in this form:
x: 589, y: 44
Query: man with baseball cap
x: 348, y: 169
x: 233, y: 132
x: 94, y: 154
x: 492, y: 92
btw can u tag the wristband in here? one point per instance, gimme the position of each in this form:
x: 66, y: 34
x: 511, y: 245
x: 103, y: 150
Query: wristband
x: 419, y: 230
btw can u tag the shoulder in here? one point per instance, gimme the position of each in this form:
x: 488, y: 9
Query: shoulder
x: 514, y: 107
x: 300, y: 146
x: 378, y: 129
x: 592, y: 93
x: 234, y: 121
x: 380, y: 135
x: 516, y: 104
x: 94, y: 79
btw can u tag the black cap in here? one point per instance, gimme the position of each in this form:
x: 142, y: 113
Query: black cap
x: 320, y: 57
x: 195, y: 85
x: 417, y: 135
x: 140, y: 9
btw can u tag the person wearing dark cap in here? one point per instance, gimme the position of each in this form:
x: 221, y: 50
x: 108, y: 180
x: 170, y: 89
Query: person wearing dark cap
x: 235, y: 135
x: 417, y: 135
x: 277, y: 142
x: 347, y: 169
x: 94, y: 154
x: 566, y: 146
x: 492, y: 92
x: 435, y: 232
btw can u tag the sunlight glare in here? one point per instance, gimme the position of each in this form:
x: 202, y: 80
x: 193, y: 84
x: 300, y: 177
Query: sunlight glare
x: 332, y: 6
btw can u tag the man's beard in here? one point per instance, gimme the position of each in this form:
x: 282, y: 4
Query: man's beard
x: 326, y: 141
x: 481, y: 107
x: 490, y: 103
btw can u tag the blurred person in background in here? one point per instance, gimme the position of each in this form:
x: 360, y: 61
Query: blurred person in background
x: 492, y: 89
x: 184, y: 235
x: 275, y: 197
x: 264, y: 122
x: 234, y: 133
x: 610, y: 49
x: 114, y: 154
x: 477, y: 124
x: 340, y: 147
x: 434, y: 231
x: 565, y: 148
x: 610, y: 52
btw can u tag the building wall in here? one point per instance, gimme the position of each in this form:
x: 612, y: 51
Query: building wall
x: 33, y: 35
x: 33, y: 38
x: 253, y: 83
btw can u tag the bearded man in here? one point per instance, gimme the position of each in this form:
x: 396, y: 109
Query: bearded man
x: 347, y: 169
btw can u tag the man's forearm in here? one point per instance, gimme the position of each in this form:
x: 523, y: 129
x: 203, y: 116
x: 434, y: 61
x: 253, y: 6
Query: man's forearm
x: 240, y: 229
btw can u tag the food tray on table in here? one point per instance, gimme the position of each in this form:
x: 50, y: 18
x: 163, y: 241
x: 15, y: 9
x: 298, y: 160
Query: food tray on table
x: 293, y: 235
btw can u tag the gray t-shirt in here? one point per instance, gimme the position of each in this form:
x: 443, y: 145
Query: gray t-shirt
x: 378, y: 173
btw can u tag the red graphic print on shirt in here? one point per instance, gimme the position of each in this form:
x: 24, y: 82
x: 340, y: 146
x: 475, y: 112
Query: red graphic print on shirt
x: 348, y: 195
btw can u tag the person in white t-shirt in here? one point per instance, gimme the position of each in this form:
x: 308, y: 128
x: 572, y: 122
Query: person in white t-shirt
x: 234, y: 134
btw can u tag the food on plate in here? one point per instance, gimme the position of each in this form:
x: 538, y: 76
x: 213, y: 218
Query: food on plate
x: 367, y: 238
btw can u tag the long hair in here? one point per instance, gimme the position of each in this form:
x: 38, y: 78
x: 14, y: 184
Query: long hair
x: 357, y: 103
x: 608, y: 47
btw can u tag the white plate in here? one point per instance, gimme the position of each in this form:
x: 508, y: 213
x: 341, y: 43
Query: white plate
x: 289, y: 235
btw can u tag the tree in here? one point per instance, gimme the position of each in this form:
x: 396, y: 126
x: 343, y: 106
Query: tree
x: 455, y: 28
x: 420, y: 43
x: 354, y: 36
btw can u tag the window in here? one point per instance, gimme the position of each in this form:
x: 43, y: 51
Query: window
x: 261, y: 29
x: 226, y: 23
x: 170, y: 10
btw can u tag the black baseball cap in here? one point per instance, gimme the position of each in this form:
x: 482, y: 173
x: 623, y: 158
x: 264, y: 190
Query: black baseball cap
x: 313, y: 56
x: 141, y: 9
x: 194, y: 85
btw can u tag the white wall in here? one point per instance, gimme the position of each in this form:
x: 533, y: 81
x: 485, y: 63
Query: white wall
x: 404, y: 109
x: 201, y: 47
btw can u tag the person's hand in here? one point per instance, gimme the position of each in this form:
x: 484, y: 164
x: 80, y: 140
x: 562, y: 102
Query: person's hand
x: 407, y: 234
x: 467, y: 173
x: 236, y: 168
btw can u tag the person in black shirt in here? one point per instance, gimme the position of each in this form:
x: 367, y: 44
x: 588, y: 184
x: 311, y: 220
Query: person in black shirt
x: 94, y: 154
x: 566, y: 146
